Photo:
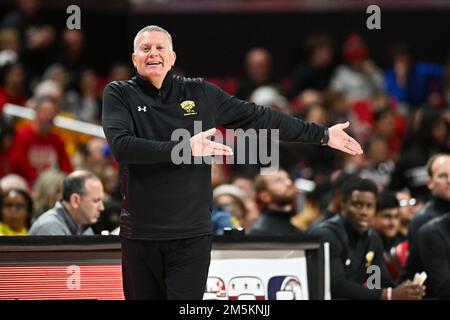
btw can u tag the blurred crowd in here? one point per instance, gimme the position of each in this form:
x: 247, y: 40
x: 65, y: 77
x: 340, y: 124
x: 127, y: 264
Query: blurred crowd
x: 400, y: 115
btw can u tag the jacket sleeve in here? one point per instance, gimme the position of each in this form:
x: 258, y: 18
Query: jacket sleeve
x: 120, y: 132
x: 434, y: 257
x: 231, y: 112
x: 341, y: 287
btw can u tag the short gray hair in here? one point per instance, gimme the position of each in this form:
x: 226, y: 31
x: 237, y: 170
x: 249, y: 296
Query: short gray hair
x: 150, y: 29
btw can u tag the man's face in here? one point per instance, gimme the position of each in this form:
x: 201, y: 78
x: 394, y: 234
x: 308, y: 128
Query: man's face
x: 439, y: 182
x: 387, y: 222
x: 154, y: 56
x: 408, y: 207
x: 280, y: 188
x: 359, y: 208
x: 45, y: 115
x: 91, y: 202
x: 259, y: 66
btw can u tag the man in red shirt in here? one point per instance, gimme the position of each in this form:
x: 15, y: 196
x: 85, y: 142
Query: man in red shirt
x: 36, y: 148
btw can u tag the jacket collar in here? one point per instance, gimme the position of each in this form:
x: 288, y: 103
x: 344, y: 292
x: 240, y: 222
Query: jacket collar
x: 74, y: 228
x: 149, y: 88
x: 441, y: 205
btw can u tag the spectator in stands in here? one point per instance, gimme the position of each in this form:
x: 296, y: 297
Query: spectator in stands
x: 246, y: 185
x: 360, y: 78
x: 57, y: 73
x: 408, y: 208
x: 386, y: 221
x: 276, y: 194
x: 433, y: 242
x: 306, y: 160
x: 120, y: 71
x: 10, y: 44
x: 218, y: 175
x: 89, y: 100
x: 79, y: 100
x: 270, y: 97
x: 378, y: 165
x: 333, y: 199
x: 38, y: 37
x: 49, y: 88
x: 231, y: 199
x: 428, y: 137
x: 411, y: 82
x: 93, y: 156
x: 305, y: 99
x: 12, y: 85
x: 6, y: 139
x: 36, y: 147
x: 354, y: 247
x: 390, y: 125
x: 339, y: 108
x: 258, y: 72
x: 80, y: 207
x: 438, y: 169
x: 47, y: 190
x: 110, y: 217
x: 13, y: 181
x: 316, y: 72
x: 17, y: 209
x: 71, y: 55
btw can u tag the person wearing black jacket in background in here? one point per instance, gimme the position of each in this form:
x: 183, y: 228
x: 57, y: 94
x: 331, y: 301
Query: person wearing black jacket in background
x: 354, y: 247
x: 438, y: 169
x: 433, y: 245
x: 165, y: 223
x: 276, y: 194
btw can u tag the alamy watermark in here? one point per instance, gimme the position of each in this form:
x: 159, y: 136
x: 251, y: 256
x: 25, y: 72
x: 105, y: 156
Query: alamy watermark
x: 374, y: 20
x: 249, y: 147
x: 74, y: 20
x: 73, y: 281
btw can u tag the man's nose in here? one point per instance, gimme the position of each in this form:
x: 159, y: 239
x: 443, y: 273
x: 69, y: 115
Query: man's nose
x: 152, y: 52
x: 364, y: 211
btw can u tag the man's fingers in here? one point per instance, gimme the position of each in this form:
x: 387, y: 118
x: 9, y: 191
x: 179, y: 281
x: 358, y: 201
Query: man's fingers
x: 344, y: 125
x: 220, y: 149
x: 208, y: 133
x: 355, y: 145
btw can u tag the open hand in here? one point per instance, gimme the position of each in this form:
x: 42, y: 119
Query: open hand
x: 340, y: 140
x: 201, y: 146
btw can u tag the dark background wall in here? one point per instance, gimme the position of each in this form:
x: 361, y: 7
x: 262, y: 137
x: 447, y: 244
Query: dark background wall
x: 215, y: 44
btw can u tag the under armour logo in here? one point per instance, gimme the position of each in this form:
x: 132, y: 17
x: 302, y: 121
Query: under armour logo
x: 144, y: 108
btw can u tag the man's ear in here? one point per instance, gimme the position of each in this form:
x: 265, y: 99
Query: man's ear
x: 133, y: 58
x: 174, y: 58
x: 429, y: 182
x: 75, y: 200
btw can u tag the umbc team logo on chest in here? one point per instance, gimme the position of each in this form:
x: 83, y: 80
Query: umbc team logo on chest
x: 188, y: 107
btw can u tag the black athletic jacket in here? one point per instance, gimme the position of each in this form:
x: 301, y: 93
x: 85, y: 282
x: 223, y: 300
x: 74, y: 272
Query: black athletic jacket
x: 433, y: 243
x: 161, y: 200
x: 350, y: 256
x: 436, y: 207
